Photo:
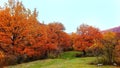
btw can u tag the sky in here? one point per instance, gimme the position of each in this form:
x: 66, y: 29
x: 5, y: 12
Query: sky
x: 103, y: 14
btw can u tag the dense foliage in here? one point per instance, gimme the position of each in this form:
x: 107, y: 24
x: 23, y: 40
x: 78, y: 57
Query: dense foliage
x: 23, y: 38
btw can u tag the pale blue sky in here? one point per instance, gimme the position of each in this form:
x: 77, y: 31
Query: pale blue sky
x: 103, y: 14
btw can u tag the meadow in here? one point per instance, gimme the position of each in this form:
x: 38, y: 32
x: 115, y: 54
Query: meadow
x: 66, y: 60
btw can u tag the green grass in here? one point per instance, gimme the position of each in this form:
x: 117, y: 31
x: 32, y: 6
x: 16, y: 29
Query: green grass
x: 68, y: 61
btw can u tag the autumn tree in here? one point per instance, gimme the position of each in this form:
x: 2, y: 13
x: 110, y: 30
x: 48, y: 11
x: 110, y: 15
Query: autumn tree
x: 52, y: 37
x: 86, y: 37
x: 116, y: 51
x: 20, y: 31
x: 58, y: 40
x: 109, y: 42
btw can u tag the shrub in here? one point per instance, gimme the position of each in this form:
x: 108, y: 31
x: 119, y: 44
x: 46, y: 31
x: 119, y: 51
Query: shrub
x: 53, y: 54
x: 69, y: 54
x: 109, y: 42
x: 10, y: 59
x: 117, y: 54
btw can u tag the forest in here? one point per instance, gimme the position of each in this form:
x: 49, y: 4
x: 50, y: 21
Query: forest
x: 24, y: 39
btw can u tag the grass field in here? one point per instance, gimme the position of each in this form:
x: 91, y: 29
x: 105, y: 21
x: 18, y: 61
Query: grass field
x: 66, y: 60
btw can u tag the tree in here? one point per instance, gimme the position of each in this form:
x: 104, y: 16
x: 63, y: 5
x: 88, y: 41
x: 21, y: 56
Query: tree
x: 58, y: 40
x: 117, y: 49
x: 109, y: 42
x: 86, y: 37
x: 19, y: 30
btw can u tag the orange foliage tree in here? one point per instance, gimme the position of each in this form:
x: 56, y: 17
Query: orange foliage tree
x: 22, y: 35
x: 20, y: 32
x: 86, y: 37
x: 109, y: 42
x: 57, y: 38
x: 116, y: 52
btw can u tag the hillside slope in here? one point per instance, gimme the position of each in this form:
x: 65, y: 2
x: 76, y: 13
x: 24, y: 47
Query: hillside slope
x: 115, y: 29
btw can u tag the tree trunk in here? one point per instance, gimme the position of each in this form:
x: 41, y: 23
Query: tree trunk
x: 84, y: 53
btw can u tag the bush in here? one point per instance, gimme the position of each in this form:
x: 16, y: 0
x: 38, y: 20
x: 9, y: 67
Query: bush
x: 117, y: 60
x: 10, y: 59
x: 79, y: 55
x: 117, y: 54
x: 53, y: 54
x: 69, y: 54
x: 94, y: 50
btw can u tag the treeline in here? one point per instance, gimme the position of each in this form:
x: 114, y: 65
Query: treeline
x: 23, y: 38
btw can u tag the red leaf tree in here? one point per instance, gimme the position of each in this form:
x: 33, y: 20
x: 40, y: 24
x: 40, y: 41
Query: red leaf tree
x: 86, y: 37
